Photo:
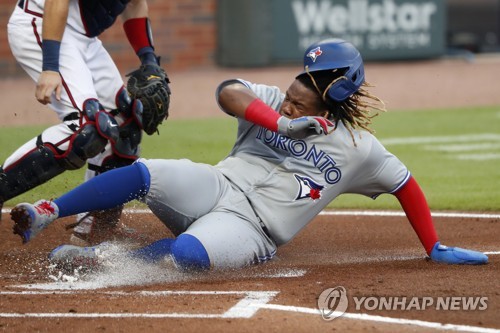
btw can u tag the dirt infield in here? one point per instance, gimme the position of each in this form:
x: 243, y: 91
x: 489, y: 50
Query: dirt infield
x: 368, y: 255
x: 371, y: 255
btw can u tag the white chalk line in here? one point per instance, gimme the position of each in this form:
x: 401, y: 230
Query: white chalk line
x: 110, y: 315
x: 374, y: 213
x: 388, y: 320
x: 240, y: 310
x: 354, y: 213
x: 394, y: 213
x: 245, y: 308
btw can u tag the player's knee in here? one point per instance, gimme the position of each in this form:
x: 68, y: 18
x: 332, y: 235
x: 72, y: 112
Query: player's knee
x: 85, y: 144
x: 189, y: 253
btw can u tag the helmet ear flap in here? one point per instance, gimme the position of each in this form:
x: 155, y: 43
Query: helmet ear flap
x: 350, y: 82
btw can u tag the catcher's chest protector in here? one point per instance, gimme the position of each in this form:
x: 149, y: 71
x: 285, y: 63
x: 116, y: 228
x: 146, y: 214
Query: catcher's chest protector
x: 98, y: 15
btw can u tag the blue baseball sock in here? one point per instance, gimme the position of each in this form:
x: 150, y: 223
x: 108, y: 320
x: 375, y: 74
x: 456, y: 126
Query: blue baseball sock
x: 187, y: 251
x: 154, y: 251
x: 107, y: 190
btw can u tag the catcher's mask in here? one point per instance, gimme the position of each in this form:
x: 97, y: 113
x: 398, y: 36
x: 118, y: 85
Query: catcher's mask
x: 336, y: 53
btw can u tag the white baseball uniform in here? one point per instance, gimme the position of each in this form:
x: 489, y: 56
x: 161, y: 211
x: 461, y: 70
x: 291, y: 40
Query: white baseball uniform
x: 86, y: 69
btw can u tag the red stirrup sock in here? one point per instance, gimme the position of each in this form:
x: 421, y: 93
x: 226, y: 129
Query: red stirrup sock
x: 415, y: 205
x: 262, y: 114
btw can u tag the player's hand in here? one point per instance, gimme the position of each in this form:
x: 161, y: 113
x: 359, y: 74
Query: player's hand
x: 302, y: 127
x: 48, y: 83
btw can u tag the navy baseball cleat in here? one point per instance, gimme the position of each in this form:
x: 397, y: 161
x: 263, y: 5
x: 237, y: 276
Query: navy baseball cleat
x: 30, y: 219
x: 457, y: 256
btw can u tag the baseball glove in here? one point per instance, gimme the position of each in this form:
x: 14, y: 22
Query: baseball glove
x: 149, y: 84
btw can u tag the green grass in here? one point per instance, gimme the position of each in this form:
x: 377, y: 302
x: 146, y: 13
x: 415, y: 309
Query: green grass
x: 449, y: 183
x: 207, y: 140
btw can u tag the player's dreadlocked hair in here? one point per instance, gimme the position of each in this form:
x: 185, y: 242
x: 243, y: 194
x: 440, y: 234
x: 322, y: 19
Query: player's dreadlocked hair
x: 356, y: 111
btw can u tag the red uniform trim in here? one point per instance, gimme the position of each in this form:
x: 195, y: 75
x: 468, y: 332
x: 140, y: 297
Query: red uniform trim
x: 262, y: 114
x: 29, y: 11
x: 415, y: 205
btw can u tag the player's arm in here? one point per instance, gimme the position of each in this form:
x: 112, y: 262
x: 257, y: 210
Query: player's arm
x: 55, y: 16
x: 238, y: 100
x: 137, y: 27
x: 149, y: 83
x: 135, y: 9
x: 415, y: 205
x: 235, y: 98
x: 413, y: 202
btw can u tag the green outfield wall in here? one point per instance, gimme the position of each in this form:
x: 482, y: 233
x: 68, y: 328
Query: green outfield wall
x: 264, y: 32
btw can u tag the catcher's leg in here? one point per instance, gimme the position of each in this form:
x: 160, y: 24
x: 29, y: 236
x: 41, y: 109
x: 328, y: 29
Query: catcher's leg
x: 97, y: 226
x: 59, y: 148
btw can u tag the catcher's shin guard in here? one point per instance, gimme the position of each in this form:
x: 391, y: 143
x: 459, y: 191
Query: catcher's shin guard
x: 127, y: 145
x: 35, y: 168
x: 1, y: 199
x: 86, y: 143
x: 94, y: 227
x: 46, y: 161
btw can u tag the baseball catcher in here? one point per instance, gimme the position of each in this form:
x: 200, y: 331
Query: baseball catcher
x: 101, y: 124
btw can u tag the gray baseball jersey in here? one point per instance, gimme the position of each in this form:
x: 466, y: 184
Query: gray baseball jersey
x: 267, y: 180
x: 288, y: 182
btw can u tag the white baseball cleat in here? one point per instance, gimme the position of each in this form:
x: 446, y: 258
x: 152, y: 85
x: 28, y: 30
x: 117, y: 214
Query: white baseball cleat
x: 71, y: 257
x: 31, y: 219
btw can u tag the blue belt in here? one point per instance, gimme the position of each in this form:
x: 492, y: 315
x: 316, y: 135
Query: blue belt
x: 21, y: 4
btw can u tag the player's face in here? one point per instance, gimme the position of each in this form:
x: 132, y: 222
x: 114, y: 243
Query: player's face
x: 301, y: 101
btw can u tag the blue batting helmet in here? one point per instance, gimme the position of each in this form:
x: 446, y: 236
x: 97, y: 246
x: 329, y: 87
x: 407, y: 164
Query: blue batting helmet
x: 333, y: 54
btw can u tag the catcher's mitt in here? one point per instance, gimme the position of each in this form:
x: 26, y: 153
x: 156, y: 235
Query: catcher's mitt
x: 149, y: 84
